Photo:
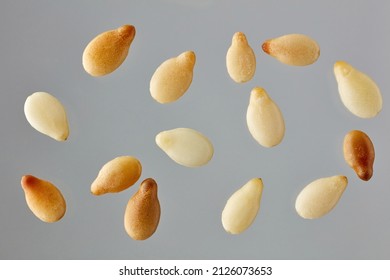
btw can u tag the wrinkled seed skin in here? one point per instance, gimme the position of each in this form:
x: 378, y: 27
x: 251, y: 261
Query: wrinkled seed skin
x: 186, y: 146
x: 242, y: 207
x: 264, y: 119
x: 240, y: 59
x: 44, y: 199
x: 47, y: 115
x: 320, y: 196
x: 107, y: 51
x: 359, y: 153
x: 142, y: 214
x: 358, y: 92
x: 117, y: 175
x: 173, y: 78
x: 293, y: 49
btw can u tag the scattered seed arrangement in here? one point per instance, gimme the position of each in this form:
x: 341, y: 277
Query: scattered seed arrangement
x: 190, y: 148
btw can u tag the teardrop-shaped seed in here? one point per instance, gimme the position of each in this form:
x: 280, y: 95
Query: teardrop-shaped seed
x: 358, y: 92
x: 264, y: 119
x: 186, y: 146
x: 142, y: 214
x: 240, y: 59
x: 107, y: 51
x: 47, y: 115
x: 293, y: 49
x: 173, y: 78
x: 117, y: 175
x: 359, y: 153
x: 320, y: 196
x: 44, y: 199
x: 242, y: 207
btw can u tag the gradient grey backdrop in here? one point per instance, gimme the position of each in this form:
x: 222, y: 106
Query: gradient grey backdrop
x: 40, y: 50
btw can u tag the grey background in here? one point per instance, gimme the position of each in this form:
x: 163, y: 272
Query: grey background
x: 40, y: 50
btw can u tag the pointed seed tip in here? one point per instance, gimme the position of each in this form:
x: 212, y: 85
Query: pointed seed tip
x: 258, y: 92
x: 265, y: 47
x: 148, y: 185
x: 190, y: 55
x: 127, y: 30
x: 28, y: 180
x: 239, y: 36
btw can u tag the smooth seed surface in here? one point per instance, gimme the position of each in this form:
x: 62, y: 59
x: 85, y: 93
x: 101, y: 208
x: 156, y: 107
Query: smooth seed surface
x: 117, y: 175
x: 293, y: 49
x: 264, y: 119
x: 242, y: 207
x: 47, y: 115
x: 359, y: 153
x: 186, y: 146
x: 320, y: 196
x: 358, y: 92
x: 44, y: 199
x: 240, y: 59
x: 173, y: 78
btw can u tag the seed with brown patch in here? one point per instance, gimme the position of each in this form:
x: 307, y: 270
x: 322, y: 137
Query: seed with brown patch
x: 359, y: 153
x: 142, y: 214
x: 44, y: 199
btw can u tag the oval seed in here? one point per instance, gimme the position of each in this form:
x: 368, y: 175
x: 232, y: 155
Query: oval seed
x: 117, y: 175
x: 359, y: 153
x: 44, y: 199
x: 142, y: 214
x: 186, y: 146
x: 107, y: 51
x: 242, y: 207
x: 320, y: 196
x: 264, y: 119
x: 293, y: 49
x: 173, y: 78
x: 47, y: 115
x: 358, y: 92
x: 240, y: 59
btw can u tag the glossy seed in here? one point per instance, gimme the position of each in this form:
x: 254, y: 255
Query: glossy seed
x: 107, y: 51
x: 293, y: 49
x: 358, y: 92
x: 242, y: 207
x: 44, y: 199
x: 320, y: 196
x: 117, y: 175
x: 359, y: 153
x: 47, y: 115
x: 240, y: 59
x: 264, y: 119
x: 142, y: 214
x: 186, y: 146
x: 173, y: 78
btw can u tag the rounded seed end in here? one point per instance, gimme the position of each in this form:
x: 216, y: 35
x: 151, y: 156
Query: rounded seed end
x: 162, y: 140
